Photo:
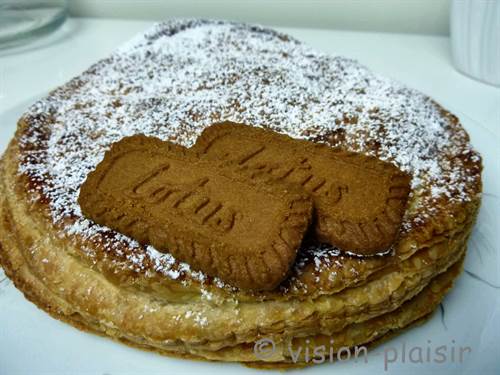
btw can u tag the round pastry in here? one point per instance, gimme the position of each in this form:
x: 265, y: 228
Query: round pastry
x: 173, y: 81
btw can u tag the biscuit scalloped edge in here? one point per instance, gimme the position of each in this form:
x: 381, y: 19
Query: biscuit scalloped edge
x: 263, y: 270
x: 352, y: 237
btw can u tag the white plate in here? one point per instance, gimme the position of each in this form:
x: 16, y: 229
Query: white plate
x: 469, y: 317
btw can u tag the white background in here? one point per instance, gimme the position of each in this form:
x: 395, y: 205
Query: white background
x: 408, y: 16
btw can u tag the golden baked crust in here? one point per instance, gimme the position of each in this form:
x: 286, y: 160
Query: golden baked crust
x: 172, y: 82
x: 162, y: 194
x: 359, y: 200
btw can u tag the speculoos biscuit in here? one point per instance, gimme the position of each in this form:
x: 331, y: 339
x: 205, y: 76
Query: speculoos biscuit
x: 243, y: 231
x: 359, y: 200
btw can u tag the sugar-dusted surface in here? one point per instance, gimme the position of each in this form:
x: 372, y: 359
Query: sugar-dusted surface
x: 184, y: 75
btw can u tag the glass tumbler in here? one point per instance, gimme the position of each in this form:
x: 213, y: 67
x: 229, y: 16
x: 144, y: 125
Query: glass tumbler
x: 23, y: 20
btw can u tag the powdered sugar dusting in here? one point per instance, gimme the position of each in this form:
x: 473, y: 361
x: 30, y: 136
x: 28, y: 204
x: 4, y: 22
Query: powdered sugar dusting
x: 182, y: 76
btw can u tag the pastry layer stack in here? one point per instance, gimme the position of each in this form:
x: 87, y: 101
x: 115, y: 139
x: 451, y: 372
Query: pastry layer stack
x: 172, y: 82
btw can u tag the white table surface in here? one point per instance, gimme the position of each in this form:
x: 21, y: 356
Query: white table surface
x: 32, y: 343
